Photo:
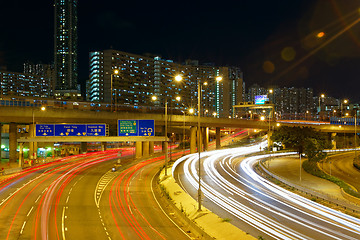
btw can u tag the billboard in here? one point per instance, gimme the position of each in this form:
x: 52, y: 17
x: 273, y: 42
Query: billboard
x: 261, y: 99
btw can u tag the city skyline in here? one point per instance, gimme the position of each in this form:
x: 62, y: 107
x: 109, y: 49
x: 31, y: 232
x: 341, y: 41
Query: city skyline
x: 267, y: 41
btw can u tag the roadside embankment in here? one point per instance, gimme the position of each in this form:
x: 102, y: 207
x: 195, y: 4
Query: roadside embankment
x: 212, y: 225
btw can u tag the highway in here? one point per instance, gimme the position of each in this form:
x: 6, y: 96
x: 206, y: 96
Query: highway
x: 341, y: 166
x: 233, y: 190
x: 79, y: 197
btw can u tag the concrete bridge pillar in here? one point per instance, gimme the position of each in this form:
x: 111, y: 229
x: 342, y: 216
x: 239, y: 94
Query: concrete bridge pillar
x: 146, y: 148
x: 32, y: 145
x: 333, y: 140
x: 218, y: 137
x: 12, y: 142
x: 193, y: 140
x: 103, y: 146
x: 206, y: 138
x: 151, y: 148
x: 21, y: 154
x: 138, y: 149
x: 83, y: 147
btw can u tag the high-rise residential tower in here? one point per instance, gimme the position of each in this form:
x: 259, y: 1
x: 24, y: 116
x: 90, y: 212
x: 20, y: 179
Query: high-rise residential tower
x: 65, y: 47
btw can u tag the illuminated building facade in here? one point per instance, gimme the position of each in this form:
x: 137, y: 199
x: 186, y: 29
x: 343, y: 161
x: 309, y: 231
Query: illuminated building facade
x: 128, y: 79
x: 65, y: 48
x: 24, y: 85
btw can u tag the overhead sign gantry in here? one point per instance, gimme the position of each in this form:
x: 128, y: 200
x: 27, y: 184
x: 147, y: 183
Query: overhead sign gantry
x: 70, y: 130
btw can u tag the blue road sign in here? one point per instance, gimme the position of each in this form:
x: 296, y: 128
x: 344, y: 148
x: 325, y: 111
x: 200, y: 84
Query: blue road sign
x: 146, y: 127
x: 136, y: 127
x: 44, y: 130
x: 71, y: 130
x: 96, y: 130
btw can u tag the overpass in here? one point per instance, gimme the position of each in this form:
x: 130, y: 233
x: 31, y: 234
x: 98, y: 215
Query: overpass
x: 14, y: 116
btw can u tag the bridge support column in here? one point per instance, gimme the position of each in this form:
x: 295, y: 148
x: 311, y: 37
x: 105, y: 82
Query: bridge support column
x: 206, y: 138
x: 193, y: 140
x: 270, y: 142
x: 146, y: 149
x: 103, y: 146
x: 12, y: 142
x: 333, y: 140
x: 83, y: 147
x: 32, y: 145
x: 21, y: 154
x: 151, y: 148
x: 138, y: 149
x: 218, y: 137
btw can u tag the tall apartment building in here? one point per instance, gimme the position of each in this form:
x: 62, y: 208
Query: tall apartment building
x: 65, y: 48
x: 140, y: 77
x: 255, y: 90
x: 42, y: 70
x: 293, y: 101
x: 24, y: 85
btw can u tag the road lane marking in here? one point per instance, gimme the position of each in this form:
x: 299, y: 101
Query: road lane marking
x: 63, y: 229
x: 22, y: 228
x: 30, y: 211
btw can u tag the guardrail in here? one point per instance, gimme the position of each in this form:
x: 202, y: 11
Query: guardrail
x: 342, y: 203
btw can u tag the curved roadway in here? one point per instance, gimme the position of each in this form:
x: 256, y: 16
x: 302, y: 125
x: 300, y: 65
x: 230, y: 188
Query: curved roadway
x: 80, y: 198
x: 233, y: 190
x: 341, y: 166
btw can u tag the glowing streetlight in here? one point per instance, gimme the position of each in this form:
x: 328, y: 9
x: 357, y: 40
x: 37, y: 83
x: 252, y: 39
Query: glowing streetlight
x: 115, y: 72
x: 34, y: 129
x: 178, y: 78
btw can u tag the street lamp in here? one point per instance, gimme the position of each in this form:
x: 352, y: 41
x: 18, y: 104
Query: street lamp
x: 34, y: 129
x: 115, y: 72
x: 177, y: 78
x: 218, y: 79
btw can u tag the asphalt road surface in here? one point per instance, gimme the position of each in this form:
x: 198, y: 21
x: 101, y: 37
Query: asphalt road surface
x: 341, y: 166
x: 233, y: 190
x: 79, y: 197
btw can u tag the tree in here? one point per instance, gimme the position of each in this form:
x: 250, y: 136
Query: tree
x: 302, y: 139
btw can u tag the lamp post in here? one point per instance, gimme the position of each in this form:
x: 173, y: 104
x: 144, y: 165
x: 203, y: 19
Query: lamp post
x: 34, y: 130
x: 115, y: 72
x: 218, y: 79
x: 177, y: 78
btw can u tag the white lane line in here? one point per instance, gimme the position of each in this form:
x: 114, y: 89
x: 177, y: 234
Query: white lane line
x: 63, y: 223
x: 38, y: 199
x: 22, y: 228
x: 30, y: 211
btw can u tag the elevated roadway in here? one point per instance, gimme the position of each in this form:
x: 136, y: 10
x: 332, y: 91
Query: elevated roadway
x: 26, y: 115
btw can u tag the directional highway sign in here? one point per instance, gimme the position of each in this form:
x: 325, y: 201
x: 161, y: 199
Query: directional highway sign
x: 136, y: 127
x: 71, y: 130
x: 44, y: 130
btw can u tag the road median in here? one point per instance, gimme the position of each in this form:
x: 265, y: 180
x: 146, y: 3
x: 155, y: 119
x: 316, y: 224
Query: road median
x: 212, y: 225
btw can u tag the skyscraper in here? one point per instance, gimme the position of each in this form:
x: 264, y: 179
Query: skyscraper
x: 65, y: 47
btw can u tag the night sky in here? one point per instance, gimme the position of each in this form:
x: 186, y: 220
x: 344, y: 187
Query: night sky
x: 275, y: 43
